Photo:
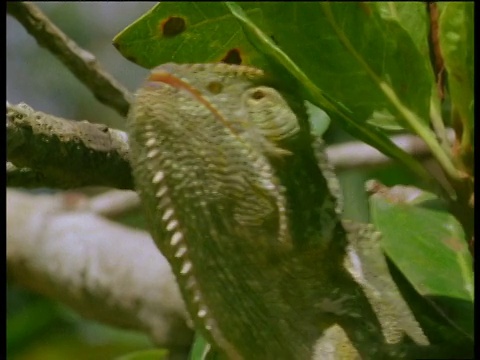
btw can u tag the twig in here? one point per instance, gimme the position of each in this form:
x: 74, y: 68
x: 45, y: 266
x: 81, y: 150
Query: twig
x: 64, y: 153
x: 357, y: 154
x: 101, y: 269
x: 80, y: 62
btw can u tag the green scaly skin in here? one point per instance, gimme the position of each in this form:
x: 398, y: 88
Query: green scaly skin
x: 228, y: 176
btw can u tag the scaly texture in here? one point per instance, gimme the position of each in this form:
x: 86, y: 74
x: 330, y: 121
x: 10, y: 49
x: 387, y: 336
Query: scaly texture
x: 227, y: 172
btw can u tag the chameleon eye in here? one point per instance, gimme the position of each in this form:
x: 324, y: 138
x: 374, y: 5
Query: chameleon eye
x: 258, y: 94
x: 270, y: 113
x: 215, y: 87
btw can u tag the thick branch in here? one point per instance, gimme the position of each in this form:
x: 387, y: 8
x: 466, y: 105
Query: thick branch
x: 63, y: 153
x: 80, y: 62
x: 103, y: 270
x: 47, y: 151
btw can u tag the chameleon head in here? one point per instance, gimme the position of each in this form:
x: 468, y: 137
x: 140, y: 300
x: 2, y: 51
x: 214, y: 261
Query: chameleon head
x: 211, y: 129
x: 231, y: 94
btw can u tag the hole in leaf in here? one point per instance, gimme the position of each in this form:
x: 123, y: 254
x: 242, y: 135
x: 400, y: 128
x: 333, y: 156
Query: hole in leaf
x: 215, y: 87
x: 274, y: 40
x: 232, y: 57
x: 174, y: 25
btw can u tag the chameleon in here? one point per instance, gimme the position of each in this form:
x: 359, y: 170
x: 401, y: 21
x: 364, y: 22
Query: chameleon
x: 240, y: 199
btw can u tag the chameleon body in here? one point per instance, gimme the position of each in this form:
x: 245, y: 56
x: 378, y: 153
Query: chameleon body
x: 228, y: 174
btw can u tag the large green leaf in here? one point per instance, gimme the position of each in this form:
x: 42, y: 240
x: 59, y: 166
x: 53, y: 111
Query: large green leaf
x: 344, y: 48
x: 311, y: 91
x: 354, y: 49
x: 428, y: 246
x: 355, y: 64
x: 456, y: 42
x: 412, y: 16
x: 185, y: 32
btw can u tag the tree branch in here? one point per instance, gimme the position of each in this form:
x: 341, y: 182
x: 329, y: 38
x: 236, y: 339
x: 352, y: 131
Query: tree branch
x: 64, y: 153
x: 103, y: 270
x: 48, y: 151
x: 80, y: 62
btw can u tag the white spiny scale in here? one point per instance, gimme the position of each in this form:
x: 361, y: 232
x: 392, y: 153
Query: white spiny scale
x: 151, y: 142
x: 186, y: 267
x: 172, y: 224
x: 177, y: 237
x: 161, y: 192
x: 181, y: 252
x: 167, y: 214
x: 158, y: 177
x: 152, y: 153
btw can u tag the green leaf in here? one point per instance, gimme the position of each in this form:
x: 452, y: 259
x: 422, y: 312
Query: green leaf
x: 209, y: 34
x: 411, y: 16
x: 359, y: 129
x: 31, y: 321
x: 156, y: 354
x: 457, y: 46
x: 354, y: 49
x: 348, y: 60
x: 428, y: 246
x: 318, y: 119
x: 349, y: 42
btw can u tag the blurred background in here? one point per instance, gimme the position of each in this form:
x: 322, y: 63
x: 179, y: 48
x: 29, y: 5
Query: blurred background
x: 36, y: 77
x: 38, y: 328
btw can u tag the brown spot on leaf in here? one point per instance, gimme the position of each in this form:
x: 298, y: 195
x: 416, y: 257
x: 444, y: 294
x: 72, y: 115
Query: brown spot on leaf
x: 173, y: 26
x: 454, y: 243
x: 232, y: 57
x: 274, y: 40
x: 365, y: 7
